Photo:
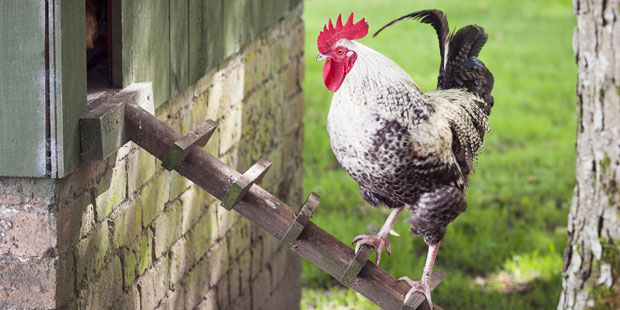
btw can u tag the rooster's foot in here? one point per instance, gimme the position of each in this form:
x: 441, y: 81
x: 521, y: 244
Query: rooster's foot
x: 378, y: 242
x: 418, y: 286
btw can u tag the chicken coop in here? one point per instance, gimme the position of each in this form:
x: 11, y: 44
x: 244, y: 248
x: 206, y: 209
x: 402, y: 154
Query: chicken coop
x: 109, y: 227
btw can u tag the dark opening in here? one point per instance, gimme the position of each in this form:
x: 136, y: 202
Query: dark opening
x: 98, y: 48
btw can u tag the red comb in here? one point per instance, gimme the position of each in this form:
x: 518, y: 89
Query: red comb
x: 351, y: 31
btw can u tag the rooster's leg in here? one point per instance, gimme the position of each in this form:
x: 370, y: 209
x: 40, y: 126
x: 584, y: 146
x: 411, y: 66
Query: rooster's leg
x: 422, y: 285
x: 380, y: 240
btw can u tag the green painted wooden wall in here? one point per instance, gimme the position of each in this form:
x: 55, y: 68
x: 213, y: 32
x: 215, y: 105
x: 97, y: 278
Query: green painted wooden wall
x: 42, y: 90
x: 173, y: 43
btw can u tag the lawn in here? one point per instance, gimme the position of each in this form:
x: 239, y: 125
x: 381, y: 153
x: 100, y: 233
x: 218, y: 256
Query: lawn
x: 505, y: 251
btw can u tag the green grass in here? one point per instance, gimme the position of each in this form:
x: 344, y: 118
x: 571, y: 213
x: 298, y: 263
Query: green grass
x: 505, y: 251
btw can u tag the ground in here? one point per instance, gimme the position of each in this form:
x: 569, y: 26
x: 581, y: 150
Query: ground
x: 505, y: 251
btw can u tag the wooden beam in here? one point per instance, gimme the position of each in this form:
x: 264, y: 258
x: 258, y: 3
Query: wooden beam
x: 102, y: 129
x: 266, y: 211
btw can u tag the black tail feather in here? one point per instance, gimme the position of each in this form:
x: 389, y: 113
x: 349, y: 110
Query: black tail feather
x: 460, y: 66
x: 435, y: 18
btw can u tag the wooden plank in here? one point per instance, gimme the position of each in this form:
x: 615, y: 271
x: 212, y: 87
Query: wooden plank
x: 68, y: 93
x: 302, y: 219
x: 205, y: 37
x: 22, y: 91
x: 266, y: 211
x: 120, y: 29
x: 150, y: 46
x: 179, y: 46
x: 102, y: 130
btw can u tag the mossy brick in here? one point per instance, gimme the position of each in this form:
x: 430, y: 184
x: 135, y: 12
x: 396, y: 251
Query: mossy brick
x: 195, y: 202
x: 256, y: 252
x: 145, y: 250
x: 73, y: 220
x: 239, y: 238
x: 90, y: 253
x: 126, y: 223
x: 244, y: 262
x: 213, y: 146
x: 204, y: 83
x: 295, y: 113
x: 81, y: 180
x: 154, y: 284
x: 181, y: 259
x: 112, y: 192
x: 141, y: 166
x: 178, y: 184
x: 176, y: 103
x: 196, y: 283
x: 153, y: 197
x: 167, y: 228
x: 130, y: 264
x: 218, y: 261
x: 129, y: 300
x: 65, y: 273
x: 225, y: 221
x: 230, y: 129
x: 279, y: 54
x: 288, y: 80
x: 234, y: 281
x: 197, y: 115
x: 199, y: 238
x: 103, y: 291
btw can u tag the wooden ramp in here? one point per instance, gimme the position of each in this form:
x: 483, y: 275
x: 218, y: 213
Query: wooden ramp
x: 107, y: 127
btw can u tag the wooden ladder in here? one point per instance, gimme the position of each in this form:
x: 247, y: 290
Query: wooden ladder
x: 109, y: 126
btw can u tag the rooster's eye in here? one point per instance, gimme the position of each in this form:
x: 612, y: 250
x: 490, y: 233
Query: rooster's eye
x: 340, y: 52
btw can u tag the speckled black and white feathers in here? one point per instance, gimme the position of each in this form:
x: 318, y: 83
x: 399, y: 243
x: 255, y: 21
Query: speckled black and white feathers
x: 406, y: 147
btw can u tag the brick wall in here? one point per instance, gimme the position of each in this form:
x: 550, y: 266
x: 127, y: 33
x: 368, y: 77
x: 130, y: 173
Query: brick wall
x: 126, y: 234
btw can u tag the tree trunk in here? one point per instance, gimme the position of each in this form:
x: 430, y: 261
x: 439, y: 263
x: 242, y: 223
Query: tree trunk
x: 591, y: 271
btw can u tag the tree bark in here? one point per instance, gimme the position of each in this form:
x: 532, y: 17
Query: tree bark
x: 591, y: 270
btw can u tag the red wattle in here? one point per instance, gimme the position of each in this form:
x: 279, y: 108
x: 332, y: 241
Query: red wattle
x: 333, y: 74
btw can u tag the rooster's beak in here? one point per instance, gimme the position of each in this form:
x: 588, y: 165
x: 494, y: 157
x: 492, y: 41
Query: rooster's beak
x: 321, y: 57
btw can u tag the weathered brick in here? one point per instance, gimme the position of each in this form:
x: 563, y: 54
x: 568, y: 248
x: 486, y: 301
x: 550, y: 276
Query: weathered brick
x: 196, y: 283
x: 103, y: 291
x: 153, y: 196
x: 167, y: 228
x: 261, y: 287
x: 223, y: 290
x: 153, y: 284
x: 218, y: 261
x: 111, y: 191
x: 209, y: 302
x: 180, y: 260
x: 90, y: 253
x: 26, y: 233
x: 130, y: 300
x: 28, y: 284
x: 230, y: 129
x: 174, y: 300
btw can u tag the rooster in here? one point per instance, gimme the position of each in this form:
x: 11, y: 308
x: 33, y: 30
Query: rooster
x: 406, y: 148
